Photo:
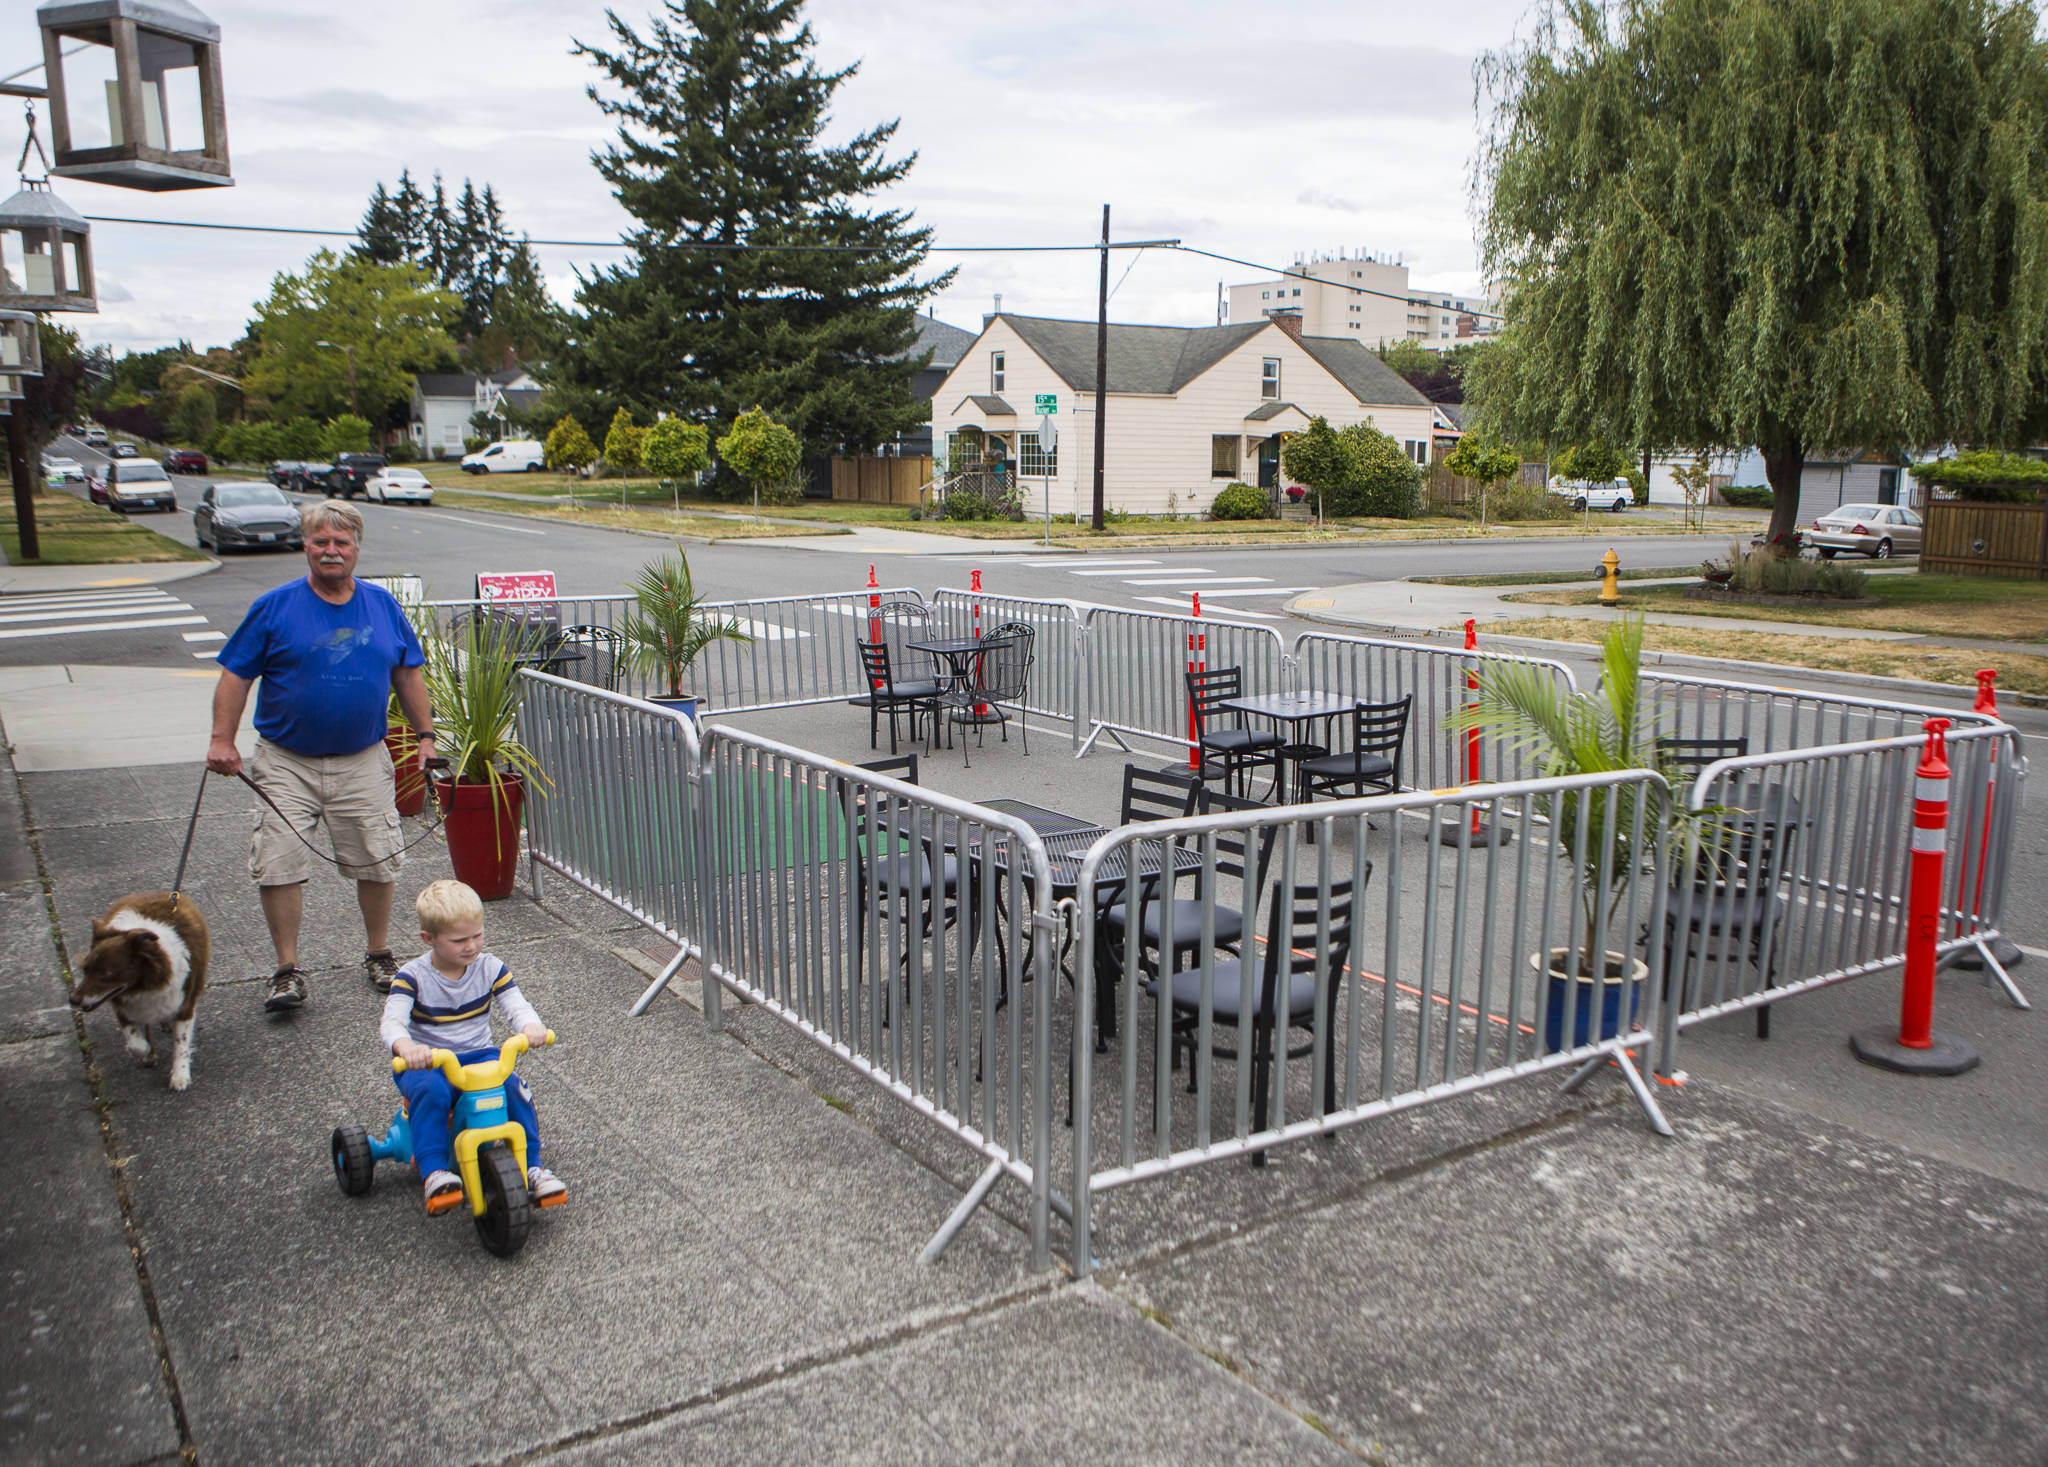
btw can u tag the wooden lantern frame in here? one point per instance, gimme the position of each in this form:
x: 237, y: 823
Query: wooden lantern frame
x: 132, y: 162
x: 21, y: 344
x: 36, y: 221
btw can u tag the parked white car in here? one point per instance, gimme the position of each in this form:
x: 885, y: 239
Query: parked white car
x: 392, y: 485
x: 515, y: 456
x: 1614, y: 494
x: 60, y: 470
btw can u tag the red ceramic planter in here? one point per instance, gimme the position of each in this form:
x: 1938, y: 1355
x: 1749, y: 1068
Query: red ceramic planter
x: 483, y: 833
x: 407, y: 771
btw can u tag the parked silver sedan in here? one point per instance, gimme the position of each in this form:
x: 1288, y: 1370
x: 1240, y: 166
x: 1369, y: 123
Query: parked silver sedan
x: 1877, y: 530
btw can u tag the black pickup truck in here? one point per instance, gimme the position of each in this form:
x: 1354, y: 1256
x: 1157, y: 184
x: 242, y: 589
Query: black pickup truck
x: 352, y: 471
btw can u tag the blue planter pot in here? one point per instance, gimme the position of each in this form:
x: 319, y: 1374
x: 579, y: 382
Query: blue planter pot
x: 685, y: 706
x: 1601, y: 996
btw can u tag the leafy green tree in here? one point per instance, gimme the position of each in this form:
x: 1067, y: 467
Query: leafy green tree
x: 1594, y: 463
x: 50, y: 401
x: 763, y: 452
x: 192, y: 413
x: 1315, y: 460
x: 760, y: 273
x: 1380, y: 479
x: 568, y: 446
x: 346, y: 433
x: 261, y: 443
x: 299, y: 438
x: 1485, y: 459
x: 1806, y: 225
x: 388, y: 320
x: 676, y: 450
x: 622, y: 442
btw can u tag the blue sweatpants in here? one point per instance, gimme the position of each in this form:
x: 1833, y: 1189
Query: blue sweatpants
x: 430, y: 1105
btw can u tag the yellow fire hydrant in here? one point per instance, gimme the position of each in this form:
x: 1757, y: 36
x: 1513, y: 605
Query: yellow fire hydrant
x: 1610, y: 587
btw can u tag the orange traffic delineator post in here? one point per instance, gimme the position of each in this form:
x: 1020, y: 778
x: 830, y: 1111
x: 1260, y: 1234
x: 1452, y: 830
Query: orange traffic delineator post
x: 1482, y: 832
x: 874, y: 614
x: 1198, y: 655
x: 1916, y: 1049
x: 2003, y: 949
x: 974, y: 585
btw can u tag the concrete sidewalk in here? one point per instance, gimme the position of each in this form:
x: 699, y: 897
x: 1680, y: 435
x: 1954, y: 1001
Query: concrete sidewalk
x: 1514, y: 1277
x: 23, y: 580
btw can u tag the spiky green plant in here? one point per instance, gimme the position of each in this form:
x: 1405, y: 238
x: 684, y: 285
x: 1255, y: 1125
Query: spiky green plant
x: 473, y: 679
x: 668, y: 626
x: 1601, y: 732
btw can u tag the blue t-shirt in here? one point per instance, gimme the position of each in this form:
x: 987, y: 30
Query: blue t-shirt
x: 325, y: 669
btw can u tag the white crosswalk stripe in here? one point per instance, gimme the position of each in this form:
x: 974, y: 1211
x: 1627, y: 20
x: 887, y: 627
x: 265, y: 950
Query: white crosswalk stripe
x: 122, y: 609
x: 1228, y: 611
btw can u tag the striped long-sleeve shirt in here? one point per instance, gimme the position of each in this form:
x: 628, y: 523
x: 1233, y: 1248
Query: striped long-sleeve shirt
x: 426, y: 1006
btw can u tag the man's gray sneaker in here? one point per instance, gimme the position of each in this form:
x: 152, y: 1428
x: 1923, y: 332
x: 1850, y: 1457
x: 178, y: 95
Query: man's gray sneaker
x: 287, y: 990
x: 382, y: 968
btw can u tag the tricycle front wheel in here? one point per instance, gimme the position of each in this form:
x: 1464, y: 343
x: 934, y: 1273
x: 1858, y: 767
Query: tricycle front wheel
x: 507, y: 1209
x: 355, y: 1169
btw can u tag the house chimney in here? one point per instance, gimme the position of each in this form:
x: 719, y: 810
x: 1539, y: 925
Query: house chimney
x: 1288, y: 321
x: 985, y: 320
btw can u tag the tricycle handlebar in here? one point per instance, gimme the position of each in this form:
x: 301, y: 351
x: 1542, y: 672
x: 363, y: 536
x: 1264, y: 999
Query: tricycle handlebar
x: 482, y: 1075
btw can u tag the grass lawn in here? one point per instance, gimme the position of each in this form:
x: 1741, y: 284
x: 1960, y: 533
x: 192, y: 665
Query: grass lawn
x: 1928, y: 605
x: 74, y: 531
x: 1539, y: 578
x: 611, y: 517
x: 2017, y: 671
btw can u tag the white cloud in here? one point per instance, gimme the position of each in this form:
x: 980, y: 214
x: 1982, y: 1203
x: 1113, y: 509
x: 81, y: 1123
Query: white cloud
x: 1252, y: 131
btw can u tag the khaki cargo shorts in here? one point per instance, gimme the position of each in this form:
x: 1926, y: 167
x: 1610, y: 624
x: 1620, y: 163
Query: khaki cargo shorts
x: 351, y: 794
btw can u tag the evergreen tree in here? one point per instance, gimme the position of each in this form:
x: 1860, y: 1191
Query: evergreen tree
x: 1807, y: 225
x: 466, y: 248
x: 720, y: 110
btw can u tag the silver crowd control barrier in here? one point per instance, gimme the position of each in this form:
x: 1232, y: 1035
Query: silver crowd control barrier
x: 618, y: 815
x: 1772, y: 719
x: 1341, y: 968
x: 908, y: 934
x: 1134, y: 666
x: 1797, y: 873
x: 1056, y: 687
x: 1378, y: 671
x: 802, y: 649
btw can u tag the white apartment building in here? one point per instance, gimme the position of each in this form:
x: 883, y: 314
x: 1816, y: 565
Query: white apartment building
x: 1358, y: 298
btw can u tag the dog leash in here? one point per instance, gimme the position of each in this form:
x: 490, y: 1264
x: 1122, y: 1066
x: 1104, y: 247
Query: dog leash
x: 178, y: 881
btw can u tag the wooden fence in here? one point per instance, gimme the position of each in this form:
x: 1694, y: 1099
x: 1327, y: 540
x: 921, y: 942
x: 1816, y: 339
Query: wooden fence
x: 1972, y: 539
x: 880, y: 480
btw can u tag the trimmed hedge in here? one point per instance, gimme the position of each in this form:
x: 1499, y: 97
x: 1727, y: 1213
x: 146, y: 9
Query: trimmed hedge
x: 1239, y: 502
x: 1749, y: 496
x: 1987, y: 477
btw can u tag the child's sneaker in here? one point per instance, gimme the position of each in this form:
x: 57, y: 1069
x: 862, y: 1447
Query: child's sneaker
x: 544, y: 1187
x: 444, y: 1192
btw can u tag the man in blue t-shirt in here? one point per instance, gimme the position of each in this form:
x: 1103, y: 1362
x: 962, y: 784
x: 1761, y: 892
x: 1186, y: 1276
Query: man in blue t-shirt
x: 329, y: 652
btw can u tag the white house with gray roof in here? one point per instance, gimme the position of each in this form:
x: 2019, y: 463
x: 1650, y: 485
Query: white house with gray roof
x: 1189, y: 409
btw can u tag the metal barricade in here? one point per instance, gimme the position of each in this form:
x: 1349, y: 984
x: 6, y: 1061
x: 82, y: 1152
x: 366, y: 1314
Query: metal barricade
x: 1378, y: 671
x: 1134, y: 666
x: 894, y: 927
x: 1772, y: 719
x: 1409, y: 971
x: 1056, y: 682
x: 1796, y: 875
x: 618, y: 815
x: 802, y: 648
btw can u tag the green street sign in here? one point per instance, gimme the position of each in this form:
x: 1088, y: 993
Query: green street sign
x: 1047, y: 403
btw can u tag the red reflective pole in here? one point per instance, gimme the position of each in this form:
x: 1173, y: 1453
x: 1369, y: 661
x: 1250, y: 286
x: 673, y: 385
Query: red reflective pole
x: 874, y: 610
x: 974, y: 584
x: 1472, y: 735
x: 1198, y: 651
x: 1923, y: 899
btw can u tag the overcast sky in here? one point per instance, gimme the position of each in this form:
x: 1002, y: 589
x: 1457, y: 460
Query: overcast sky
x: 1255, y: 131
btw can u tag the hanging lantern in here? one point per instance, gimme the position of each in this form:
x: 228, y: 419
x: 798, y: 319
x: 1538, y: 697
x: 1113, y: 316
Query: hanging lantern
x: 45, y: 259
x: 11, y: 389
x: 139, y: 104
x: 21, y: 344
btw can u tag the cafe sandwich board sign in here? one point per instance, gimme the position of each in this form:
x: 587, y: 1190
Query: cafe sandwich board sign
x: 497, y: 586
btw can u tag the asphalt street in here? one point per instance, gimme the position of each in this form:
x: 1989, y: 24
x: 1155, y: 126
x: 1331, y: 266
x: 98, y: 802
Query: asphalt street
x: 448, y: 547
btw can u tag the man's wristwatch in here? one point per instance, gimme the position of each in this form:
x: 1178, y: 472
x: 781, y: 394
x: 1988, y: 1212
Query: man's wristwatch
x: 429, y: 734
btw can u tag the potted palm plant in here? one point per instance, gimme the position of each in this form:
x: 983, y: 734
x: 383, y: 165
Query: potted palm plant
x: 668, y: 627
x: 473, y: 679
x: 1595, y: 829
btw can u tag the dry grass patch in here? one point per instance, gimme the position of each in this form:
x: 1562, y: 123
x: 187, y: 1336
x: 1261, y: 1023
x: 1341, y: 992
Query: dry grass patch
x: 651, y: 521
x: 2018, y: 671
x: 73, y: 531
x: 1924, y: 605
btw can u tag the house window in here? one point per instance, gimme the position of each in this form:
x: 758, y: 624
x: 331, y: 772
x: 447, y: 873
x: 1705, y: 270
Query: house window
x: 995, y: 371
x: 963, y: 450
x: 1297, y: 291
x: 1265, y: 295
x: 1269, y: 377
x: 1031, y: 464
x: 1418, y: 450
x: 1223, y: 456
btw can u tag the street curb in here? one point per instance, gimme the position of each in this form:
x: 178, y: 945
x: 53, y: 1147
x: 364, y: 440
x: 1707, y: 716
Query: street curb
x: 1547, y: 646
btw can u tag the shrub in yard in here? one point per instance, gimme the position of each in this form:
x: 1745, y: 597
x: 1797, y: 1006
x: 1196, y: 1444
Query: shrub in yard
x: 1239, y: 502
x: 1748, y: 496
x: 1760, y: 572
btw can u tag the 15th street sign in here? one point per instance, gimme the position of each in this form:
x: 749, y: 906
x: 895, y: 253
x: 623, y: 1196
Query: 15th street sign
x: 1047, y: 404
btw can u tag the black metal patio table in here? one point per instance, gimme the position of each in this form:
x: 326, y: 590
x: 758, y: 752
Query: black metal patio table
x: 1288, y: 711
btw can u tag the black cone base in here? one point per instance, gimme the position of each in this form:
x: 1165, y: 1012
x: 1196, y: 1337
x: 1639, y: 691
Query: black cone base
x: 1949, y: 1055
x: 2002, y: 948
x: 1452, y: 831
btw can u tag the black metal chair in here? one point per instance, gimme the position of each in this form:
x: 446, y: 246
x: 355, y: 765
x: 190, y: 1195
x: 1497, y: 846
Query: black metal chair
x: 1373, y: 761
x: 1149, y: 795
x: 604, y: 655
x: 892, y: 869
x: 1690, y: 756
x: 891, y: 694
x: 1225, y: 748
x: 1172, y: 925
x: 1280, y: 992
x: 1002, y: 676
x: 1734, y: 904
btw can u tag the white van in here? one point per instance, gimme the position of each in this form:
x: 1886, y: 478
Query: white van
x: 518, y: 456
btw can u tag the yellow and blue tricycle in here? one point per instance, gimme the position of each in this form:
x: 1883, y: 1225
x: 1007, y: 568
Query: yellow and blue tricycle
x: 488, y: 1145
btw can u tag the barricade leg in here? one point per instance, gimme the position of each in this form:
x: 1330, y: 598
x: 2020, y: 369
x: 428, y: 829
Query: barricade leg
x: 1997, y: 952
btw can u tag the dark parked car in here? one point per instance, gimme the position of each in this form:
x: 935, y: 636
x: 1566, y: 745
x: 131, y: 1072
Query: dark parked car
x: 184, y: 461
x: 352, y: 472
x: 246, y: 517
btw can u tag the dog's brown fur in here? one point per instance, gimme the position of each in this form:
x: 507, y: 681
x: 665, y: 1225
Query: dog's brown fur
x: 131, y: 966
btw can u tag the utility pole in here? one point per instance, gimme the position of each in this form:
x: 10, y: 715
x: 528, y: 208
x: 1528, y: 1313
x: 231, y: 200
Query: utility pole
x: 1101, y: 369
x: 23, y: 472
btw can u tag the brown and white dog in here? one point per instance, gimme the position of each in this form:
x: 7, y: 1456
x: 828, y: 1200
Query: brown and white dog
x: 149, y: 959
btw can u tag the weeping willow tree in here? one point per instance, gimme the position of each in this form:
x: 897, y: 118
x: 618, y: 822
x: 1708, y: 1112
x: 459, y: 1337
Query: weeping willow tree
x: 1807, y: 225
